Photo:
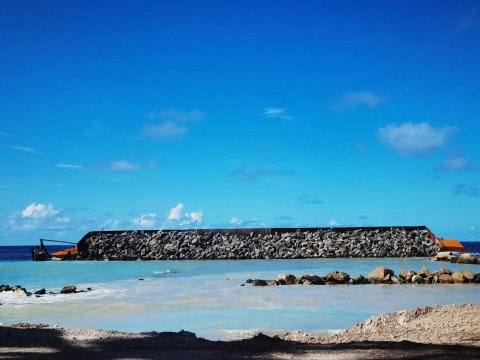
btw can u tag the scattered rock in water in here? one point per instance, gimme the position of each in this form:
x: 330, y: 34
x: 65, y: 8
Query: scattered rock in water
x: 312, y: 280
x: 71, y: 289
x: 417, y: 279
x: 5, y: 288
x: 458, y: 277
x: 467, y: 258
x: 258, y: 282
x: 445, y: 279
x: 380, y: 273
x: 469, y: 275
x: 40, y: 292
x: 21, y: 291
x: 286, y: 279
x: 442, y: 256
x: 424, y: 272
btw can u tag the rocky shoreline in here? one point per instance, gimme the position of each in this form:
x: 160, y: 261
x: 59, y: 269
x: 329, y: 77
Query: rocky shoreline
x: 21, y: 291
x: 379, y: 275
x: 258, y: 244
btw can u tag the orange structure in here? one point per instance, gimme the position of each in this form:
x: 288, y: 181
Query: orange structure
x: 67, y: 253
x: 451, y: 245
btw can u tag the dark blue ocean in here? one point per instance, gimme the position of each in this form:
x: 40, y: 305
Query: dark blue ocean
x: 20, y: 253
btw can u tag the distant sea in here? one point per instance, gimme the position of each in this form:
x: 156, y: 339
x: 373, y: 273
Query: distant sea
x: 206, y: 296
x: 19, y: 253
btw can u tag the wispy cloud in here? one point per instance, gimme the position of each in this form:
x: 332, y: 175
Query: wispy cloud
x: 235, y: 221
x: 117, y: 166
x: 112, y: 224
x: 98, y: 132
x: 177, y: 116
x: 277, y: 113
x: 165, y: 131
x: 462, y: 189
x: 334, y: 223
x: 245, y: 174
x: 146, y: 220
x: 25, y: 149
x: 414, y: 138
x: 457, y: 163
x: 305, y: 199
x: 3, y: 133
x: 360, y: 147
x: 194, y: 217
x: 284, y: 217
x: 69, y: 166
x: 359, y: 98
x: 172, y: 125
x: 470, y: 20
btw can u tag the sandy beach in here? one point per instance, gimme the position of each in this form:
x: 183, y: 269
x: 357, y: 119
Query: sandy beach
x: 446, y: 332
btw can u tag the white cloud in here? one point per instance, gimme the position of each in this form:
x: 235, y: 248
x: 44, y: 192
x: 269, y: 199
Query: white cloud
x: 152, y: 164
x: 174, y: 115
x: 25, y: 149
x: 473, y: 228
x: 37, y: 211
x: 457, y: 163
x: 273, y: 112
x: 69, y: 166
x: 39, y: 216
x: 235, y: 221
x: 146, y: 220
x: 195, y: 216
x: 360, y: 98
x: 176, y: 212
x: 165, y: 131
x: 414, y: 138
x: 118, y: 165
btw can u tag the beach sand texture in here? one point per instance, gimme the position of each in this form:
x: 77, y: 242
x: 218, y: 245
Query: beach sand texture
x: 446, y: 332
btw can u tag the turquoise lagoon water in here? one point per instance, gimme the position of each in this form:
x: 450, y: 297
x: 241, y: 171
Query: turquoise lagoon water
x: 206, y: 297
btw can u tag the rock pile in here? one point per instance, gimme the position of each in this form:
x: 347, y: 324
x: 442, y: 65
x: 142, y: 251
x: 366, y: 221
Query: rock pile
x: 380, y: 275
x: 465, y: 258
x: 294, y: 244
x: 18, y: 289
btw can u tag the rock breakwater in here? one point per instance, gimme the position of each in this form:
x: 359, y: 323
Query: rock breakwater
x: 257, y: 244
x: 379, y: 275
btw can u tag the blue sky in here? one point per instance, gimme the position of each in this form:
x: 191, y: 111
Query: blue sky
x: 187, y: 114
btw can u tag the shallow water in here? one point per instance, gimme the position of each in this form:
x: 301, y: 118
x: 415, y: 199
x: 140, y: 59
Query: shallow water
x: 206, y: 297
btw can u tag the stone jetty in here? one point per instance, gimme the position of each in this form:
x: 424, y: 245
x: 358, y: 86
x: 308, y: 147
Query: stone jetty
x: 258, y: 244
